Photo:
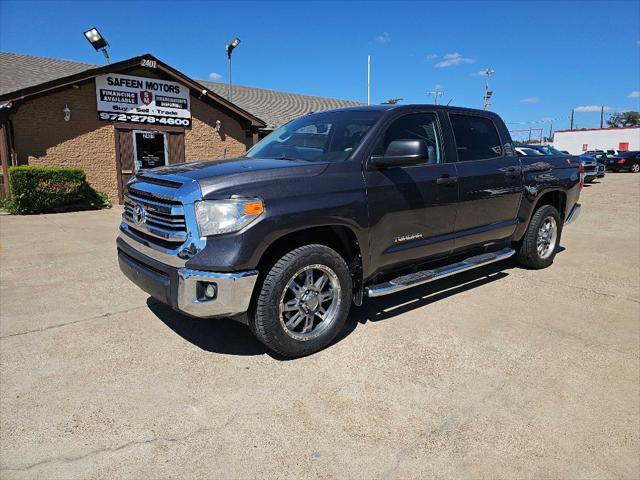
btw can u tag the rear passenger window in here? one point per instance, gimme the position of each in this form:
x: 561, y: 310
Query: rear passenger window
x: 476, y: 137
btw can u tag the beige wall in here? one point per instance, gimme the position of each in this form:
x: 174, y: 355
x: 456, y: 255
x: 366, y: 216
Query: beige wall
x: 43, y: 138
x: 202, y: 142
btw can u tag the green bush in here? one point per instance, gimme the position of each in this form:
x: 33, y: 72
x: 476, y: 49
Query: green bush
x: 47, y: 189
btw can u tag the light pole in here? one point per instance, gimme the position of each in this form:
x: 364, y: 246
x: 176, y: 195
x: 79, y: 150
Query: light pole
x: 437, y: 94
x: 98, y: 42
x: 487, y: 93
x: 230, y: 47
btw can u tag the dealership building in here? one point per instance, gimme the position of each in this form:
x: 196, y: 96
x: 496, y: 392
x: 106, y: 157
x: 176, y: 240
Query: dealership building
x: 138, y: 113
x: 578, y: 141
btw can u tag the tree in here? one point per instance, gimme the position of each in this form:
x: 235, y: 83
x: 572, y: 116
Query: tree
x: 624, y: 119
x: 392, y: 101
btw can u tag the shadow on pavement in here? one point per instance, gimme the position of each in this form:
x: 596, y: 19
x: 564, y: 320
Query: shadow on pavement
x: 230, y: 337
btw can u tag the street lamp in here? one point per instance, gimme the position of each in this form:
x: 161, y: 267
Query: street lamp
x: 230, y: 47
x: 98, y: 42
x: 487, y: 93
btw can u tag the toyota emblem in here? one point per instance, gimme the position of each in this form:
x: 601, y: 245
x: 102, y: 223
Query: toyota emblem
x: 139, y: 215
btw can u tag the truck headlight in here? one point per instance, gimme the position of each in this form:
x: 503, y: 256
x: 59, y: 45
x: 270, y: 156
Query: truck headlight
x: 225, y: 216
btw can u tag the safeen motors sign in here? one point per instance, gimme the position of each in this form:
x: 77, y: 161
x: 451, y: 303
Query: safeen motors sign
x: 123, y: 98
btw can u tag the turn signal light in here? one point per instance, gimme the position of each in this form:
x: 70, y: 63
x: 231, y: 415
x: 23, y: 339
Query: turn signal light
x: 253, y: 208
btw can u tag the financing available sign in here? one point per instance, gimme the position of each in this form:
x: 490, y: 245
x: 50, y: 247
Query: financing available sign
x: 124, y: 98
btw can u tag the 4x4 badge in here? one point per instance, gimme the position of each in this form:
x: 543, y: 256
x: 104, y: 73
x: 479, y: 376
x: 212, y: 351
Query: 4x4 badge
x: 139, y: 215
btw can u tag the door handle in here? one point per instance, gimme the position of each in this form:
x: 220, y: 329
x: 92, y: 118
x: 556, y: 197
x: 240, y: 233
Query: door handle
x: 446, y: 179
x: 512, y: 172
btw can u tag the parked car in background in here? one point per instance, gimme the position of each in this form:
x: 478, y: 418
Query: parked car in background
x: 625, y: 162
x: 524, y: 151
x: 588, y: 161
x: 546, y: 150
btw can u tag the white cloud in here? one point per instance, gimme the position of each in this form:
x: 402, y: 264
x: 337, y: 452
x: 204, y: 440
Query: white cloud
x: 215, y: 76
x: 634, y: 94
x: 383, y: 38
x: 478, y: 74
x: 592, y: 108
x: 451, y: 59
x: 432, y: 56
x: 438, y: 87
x: 530, y: 100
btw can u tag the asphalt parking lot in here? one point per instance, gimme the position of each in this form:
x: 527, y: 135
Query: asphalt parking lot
x: 501, y: 372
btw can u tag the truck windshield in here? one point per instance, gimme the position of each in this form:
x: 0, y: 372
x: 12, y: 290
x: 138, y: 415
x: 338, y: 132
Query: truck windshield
x: 319, y: 137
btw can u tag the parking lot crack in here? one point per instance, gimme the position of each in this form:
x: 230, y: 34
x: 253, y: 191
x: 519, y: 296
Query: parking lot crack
x: 119, y: 448
x: 74, y: 322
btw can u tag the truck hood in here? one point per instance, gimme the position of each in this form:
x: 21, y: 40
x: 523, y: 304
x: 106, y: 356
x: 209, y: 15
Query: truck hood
x: 223, y: 175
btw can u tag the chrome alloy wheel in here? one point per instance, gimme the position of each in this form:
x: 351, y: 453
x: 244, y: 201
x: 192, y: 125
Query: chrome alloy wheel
x: 635, y: 168
x: 547, y: 238
x: 310, y: 302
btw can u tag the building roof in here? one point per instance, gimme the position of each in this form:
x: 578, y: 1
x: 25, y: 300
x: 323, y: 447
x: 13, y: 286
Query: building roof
x: 18, y: 71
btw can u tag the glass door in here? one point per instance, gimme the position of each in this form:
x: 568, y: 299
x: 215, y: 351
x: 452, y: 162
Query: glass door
x: 149, y: 149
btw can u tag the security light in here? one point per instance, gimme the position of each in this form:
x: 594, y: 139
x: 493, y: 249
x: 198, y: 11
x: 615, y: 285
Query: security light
x: 98, y: 42
x: 233, y: 44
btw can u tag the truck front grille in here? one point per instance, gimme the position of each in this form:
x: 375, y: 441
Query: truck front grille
x: 156, y: 219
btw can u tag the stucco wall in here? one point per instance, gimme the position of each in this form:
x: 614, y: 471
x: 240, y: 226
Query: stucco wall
x: 43, y: 138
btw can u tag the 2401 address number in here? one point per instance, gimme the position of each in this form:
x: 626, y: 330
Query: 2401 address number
x: 150, y: 119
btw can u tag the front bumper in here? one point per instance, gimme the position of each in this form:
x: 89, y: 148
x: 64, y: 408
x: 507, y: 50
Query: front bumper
x: 182, y: 288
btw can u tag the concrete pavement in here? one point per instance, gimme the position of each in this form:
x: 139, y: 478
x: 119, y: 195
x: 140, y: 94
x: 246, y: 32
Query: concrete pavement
x: 497, y: 373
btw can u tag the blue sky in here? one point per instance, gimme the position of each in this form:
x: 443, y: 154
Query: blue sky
x: 549, y: 57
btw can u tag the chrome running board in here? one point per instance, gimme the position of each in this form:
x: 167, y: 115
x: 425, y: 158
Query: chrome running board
x: 426, y: 276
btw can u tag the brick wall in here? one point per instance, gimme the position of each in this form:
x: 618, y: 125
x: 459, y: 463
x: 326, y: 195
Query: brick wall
x: 202, y: 142
x: 43, y: 138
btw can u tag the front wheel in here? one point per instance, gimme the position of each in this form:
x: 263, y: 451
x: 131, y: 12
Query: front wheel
x: 635, y: 168
x: 540, y: 242
x: 304, y: 301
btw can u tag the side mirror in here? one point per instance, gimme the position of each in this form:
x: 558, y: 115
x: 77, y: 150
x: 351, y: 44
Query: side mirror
x: 401, y: 153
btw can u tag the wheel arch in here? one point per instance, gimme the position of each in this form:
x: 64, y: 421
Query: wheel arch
x: 340, y: 238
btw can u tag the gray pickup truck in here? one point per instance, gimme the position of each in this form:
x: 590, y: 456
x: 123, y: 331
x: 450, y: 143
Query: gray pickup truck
x: 337, y: 206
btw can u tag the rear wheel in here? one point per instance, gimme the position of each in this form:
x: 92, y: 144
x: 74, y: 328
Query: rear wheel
x: 540, y: 243
x: 635, y: 168
x: 303, y: 302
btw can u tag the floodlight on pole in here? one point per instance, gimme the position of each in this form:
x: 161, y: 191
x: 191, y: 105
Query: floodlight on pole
x: 230, y: 47
x: 98, y: 42
x: 487, y: 93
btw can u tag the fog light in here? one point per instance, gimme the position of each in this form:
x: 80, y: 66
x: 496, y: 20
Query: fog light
x: 210, y: 291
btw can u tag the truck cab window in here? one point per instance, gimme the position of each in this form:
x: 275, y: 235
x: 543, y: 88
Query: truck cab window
x: 417, y: 126
x: 476, y: 137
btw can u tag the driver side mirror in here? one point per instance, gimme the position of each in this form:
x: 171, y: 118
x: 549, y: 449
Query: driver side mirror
x: 402, y: 153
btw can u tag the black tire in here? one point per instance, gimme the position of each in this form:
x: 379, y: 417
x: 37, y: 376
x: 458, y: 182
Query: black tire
x: 527, y: 253
x: 635, y: 168
x: 265, y: 319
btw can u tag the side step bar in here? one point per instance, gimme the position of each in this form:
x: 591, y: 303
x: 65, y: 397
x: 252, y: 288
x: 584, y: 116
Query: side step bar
x: 426, y: 276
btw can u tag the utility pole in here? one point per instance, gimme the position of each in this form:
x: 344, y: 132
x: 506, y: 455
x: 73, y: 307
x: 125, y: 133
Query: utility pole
x: 601, y: 116
x: 368, y: 79
x: 571, y: 119
x: 487, y: 93
x: 437, y: 94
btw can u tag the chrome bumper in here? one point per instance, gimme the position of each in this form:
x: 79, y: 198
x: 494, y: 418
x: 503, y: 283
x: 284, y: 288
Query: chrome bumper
x: 573, y: 214
x: 233, y: 292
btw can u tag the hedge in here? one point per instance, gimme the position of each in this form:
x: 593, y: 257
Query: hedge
x: 47, y: 189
